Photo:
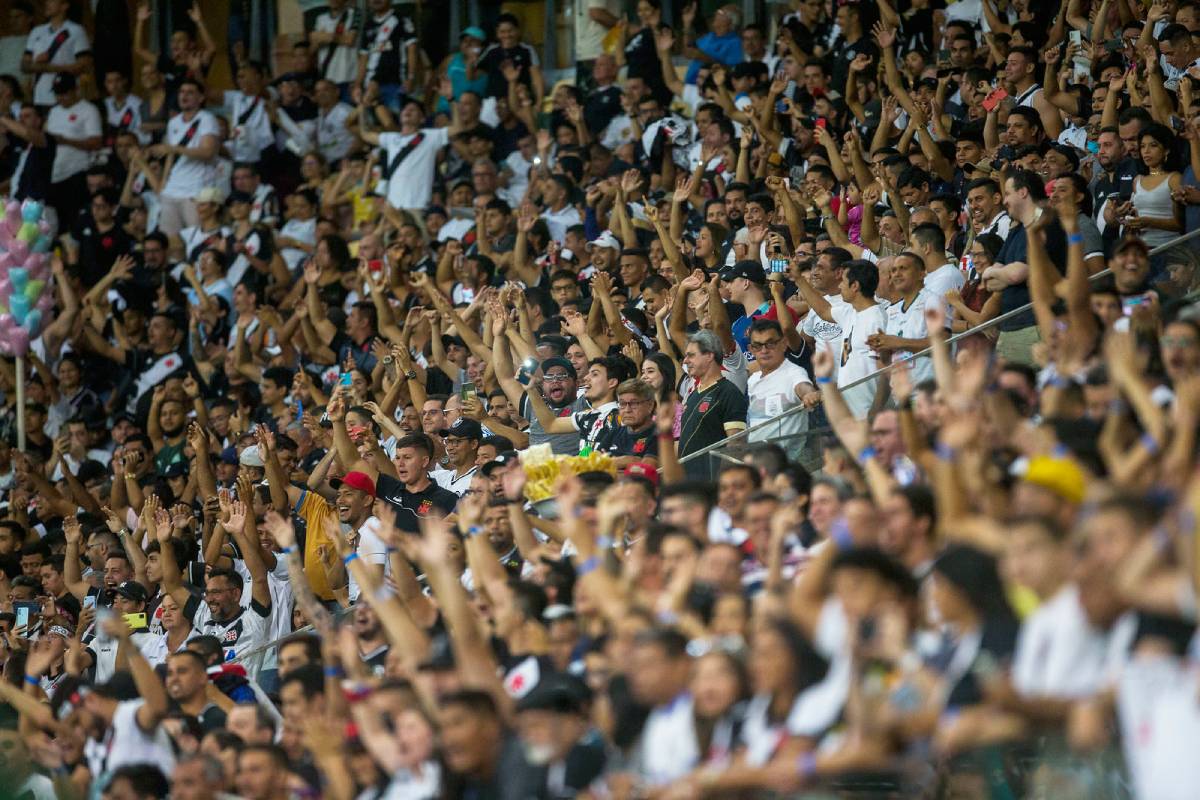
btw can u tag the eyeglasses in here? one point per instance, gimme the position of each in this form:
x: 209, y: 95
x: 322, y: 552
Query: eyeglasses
x: 558, y: 377
x: 631, y: 403
x: 758, y: 346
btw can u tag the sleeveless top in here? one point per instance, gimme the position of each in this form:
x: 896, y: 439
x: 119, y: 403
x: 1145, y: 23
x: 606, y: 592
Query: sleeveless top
x: 1154, y: 203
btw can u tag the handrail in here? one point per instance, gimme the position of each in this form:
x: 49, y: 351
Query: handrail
x: 983, y: 326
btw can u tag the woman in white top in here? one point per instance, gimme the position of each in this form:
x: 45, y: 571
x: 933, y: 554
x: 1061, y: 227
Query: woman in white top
x: 1152, y: 212
x: 406, y: 752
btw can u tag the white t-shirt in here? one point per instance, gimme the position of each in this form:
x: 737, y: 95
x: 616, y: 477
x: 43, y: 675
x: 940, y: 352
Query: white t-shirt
x: 190, y: 175
x: 854, y: 357
x: 39, y: 787
x: 820, y: 330
x: 302, y: 230
x: 771, y: 395
x: 249, y: 127
x: 126, y: 116
x: 343, y: 64
x: 195, y: 241
x: 446, y: 479
x: 1059, y: 653
x: 371, y: 549
x: 104, y: 651
x: 68, y: 42
x: 908, y: 322
x: 126, y: 743
x: 559, y: 221
x: 1160, y: 725
x: 80, y: 121
x: 589, y: 34
x: 668, y: 749
x: 411, y: 185
x: 943, y: 279
x: 333, y: 139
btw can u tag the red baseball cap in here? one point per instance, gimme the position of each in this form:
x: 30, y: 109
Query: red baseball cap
x: 360, y: 481
x: 643, y: 470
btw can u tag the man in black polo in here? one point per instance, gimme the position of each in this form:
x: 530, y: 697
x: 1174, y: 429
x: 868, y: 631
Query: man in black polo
x: 412, y: 493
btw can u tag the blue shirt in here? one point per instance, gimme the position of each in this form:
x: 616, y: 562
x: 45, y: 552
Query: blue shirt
x: 726, y: 49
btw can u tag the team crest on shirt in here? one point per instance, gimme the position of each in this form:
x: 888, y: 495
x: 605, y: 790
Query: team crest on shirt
x: 424, y: 508
x: 639, y: 446
x: 704, y: 406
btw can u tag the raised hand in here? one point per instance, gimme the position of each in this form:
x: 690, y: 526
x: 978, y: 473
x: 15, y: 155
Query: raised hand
x: 822, y: 362
x: 281, y: 530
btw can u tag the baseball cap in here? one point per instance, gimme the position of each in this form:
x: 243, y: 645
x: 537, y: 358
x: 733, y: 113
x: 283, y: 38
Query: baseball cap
x: 501, y: 460
x: 474, y: 32
x: 643, y: 470
x: 64, y: 82
x: 176, y: 469
x: 229, y: 455
x: 559, y: 361
x: 209, y: 194
x: 463, y: 428
x: 559, y: 692
x: 239, y: 197
x: 251, y: 458
x: 605, y: 239
x: 1060, y: 476
x: 132, y: 590
x: 358, y: 480
x: 751, y: 270
x: 1131, y: 241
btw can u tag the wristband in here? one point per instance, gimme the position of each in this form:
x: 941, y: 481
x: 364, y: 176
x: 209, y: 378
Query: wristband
x: 474, y: 531
x: 604, y: 542
x: 333, y: 672
x: 824, y: 379
x: 287, y: 551
x: 32, y: 681
x: 1149, y: 442
x: 944, y: 451
x: 590, y: 564
x: 349, y: 558
x: 806, y: 765
x: 1074, y: 238
x: 840, y: 534
x: 389, y: 550
x: 866, y: 454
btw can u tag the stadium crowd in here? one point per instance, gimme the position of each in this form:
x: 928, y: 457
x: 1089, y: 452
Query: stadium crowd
x: 375, y: 446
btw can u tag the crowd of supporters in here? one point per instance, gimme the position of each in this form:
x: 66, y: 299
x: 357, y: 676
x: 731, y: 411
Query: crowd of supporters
x: 412, y: 428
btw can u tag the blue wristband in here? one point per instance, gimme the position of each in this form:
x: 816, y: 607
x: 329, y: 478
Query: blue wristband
x: 1149, y: 442
x: 822, y: 380
x: 349, y: 558
x: 333, y: 672
x: 866, y: 454
x: 32, y: 681
x: 604, y: 542
x: 839, y: 532
x: 944, y: 451
x: 287, y: 551
x: 474, y: 531
x: 589, y: 565
x: 806, y: 765
x: 1075, y: 238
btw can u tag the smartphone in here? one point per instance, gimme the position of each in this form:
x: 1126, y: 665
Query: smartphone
x: 1093, y: 147
x: 821, y: 122
x: 777, y: 262
x: 467, y: 392
x: 25, y: 611
x: 345, y: 379
x: 89, y: 601
x: 135, y: 621
x: 375, y: 265
x: 781, y: 107
x: 1177, y: 124
x: 992, y: 100
x: 1128, y: 305
x: 943, y: 56
x: 1076, y: 37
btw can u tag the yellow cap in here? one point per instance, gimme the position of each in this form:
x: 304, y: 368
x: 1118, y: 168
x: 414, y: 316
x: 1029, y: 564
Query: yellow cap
x: 1059, y: 475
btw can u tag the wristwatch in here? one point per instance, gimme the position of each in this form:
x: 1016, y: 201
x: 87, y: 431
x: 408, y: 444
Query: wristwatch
x: 388, y: 359
x: 411, y: 374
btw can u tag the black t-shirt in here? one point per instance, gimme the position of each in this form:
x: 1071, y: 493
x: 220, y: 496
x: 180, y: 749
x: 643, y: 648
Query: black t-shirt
x: 642, y: 444
x: 99, y: 249
x: 703, y: 423
x: 412, y: 506
x: 641, y: 59
x: 522, y: 57
x: 601, y: 107
x: 1016, y: 248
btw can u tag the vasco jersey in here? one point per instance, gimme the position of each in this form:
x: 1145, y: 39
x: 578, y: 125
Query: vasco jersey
x: 907, y: 320
x: 245, y: 632
x: 597, y: 426
x: 385, y: 45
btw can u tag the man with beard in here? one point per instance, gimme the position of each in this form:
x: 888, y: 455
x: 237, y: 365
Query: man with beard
x: 558, y: 387
x: 596, y: 425
x: 557, y: 738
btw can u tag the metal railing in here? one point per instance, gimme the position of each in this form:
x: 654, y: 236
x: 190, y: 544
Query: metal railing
x: 882, y: 371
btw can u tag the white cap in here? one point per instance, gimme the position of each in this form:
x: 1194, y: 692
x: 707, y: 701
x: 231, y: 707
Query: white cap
x: 605, y: 239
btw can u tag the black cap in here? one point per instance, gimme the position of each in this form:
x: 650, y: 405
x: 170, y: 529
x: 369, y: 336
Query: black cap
x: 64, y: 82
x: 751, y: 270
x: 559, y: 361
x: 239, y: 197
x: 559, y: 692
x: 176, y: 469
x: 501, y: 460
x: 463, y: 428
x: 132, y: 590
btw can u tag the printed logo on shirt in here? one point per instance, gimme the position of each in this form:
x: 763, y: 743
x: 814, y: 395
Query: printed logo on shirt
x: 424, y: 508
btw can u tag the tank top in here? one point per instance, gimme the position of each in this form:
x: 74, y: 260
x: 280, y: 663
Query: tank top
x: 1155, y: 203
